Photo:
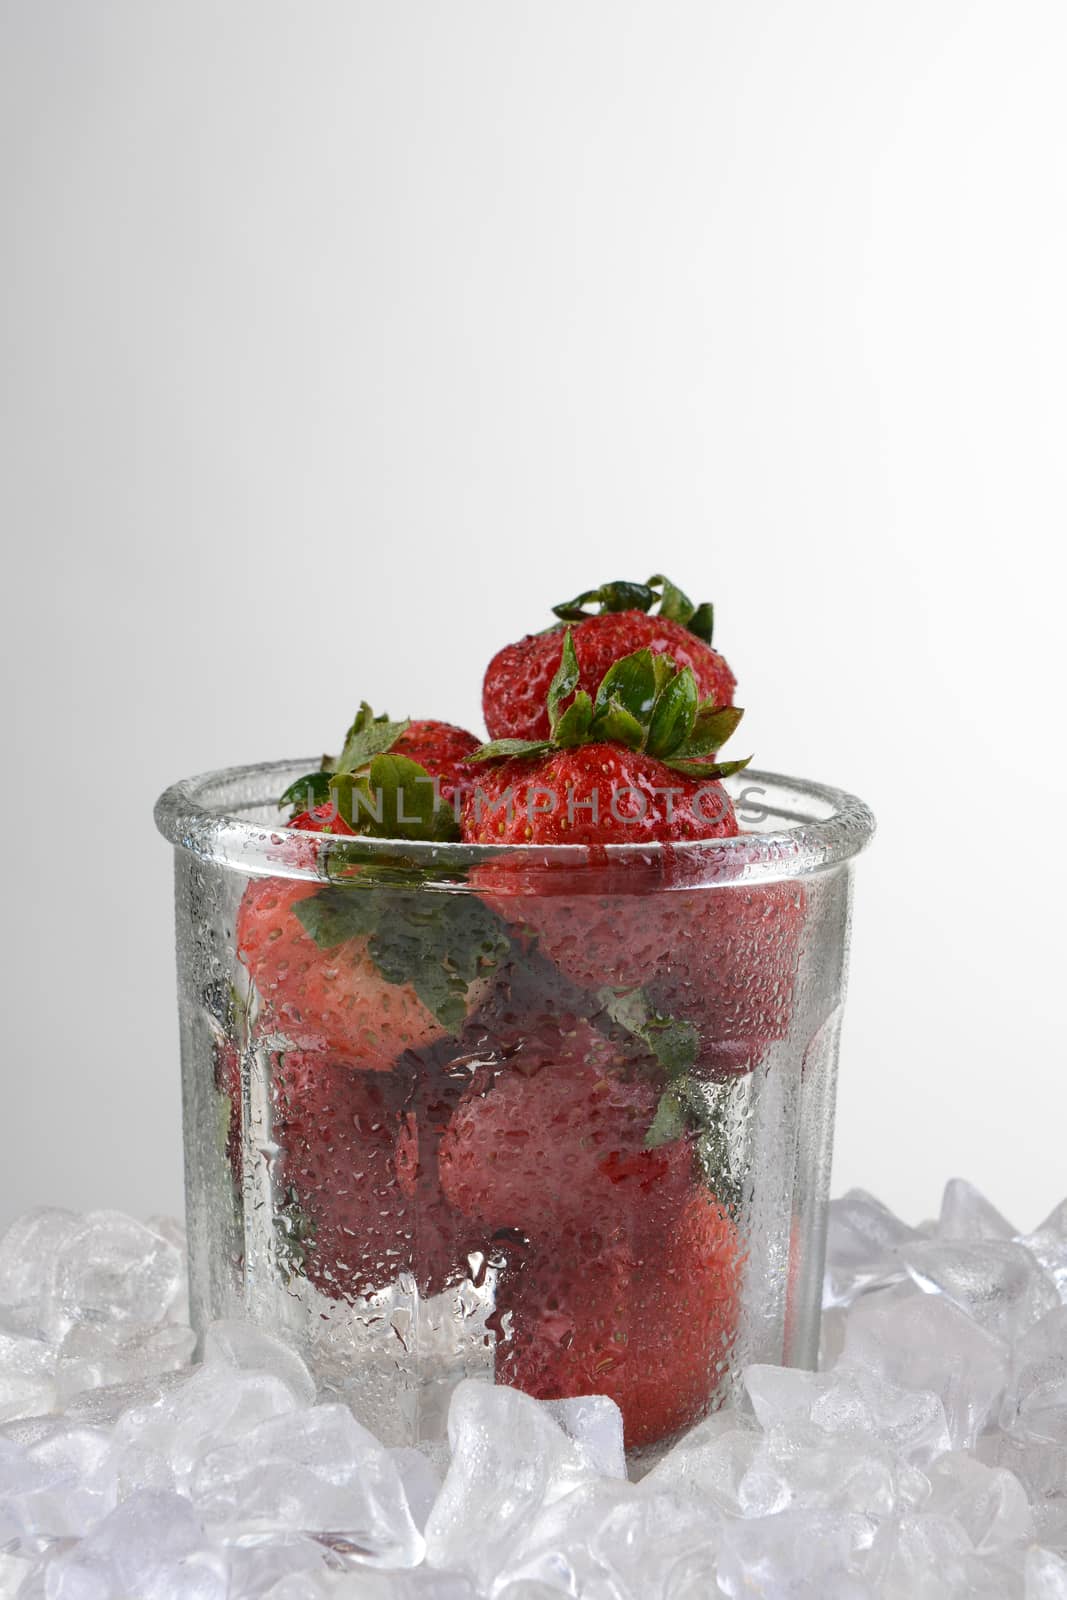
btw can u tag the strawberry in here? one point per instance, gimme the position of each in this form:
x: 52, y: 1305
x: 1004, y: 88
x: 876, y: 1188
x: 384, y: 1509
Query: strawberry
x: 553, y: 1139
x: 318, y: 976
x: 648, y: 1318
x: 427, y: 758
x: 442, y: 1238
x: 442, y: 749
x: 359, y: 969
x: 518, y: 677
x: 723, y: 961
x: 632, y: 766
x: 346, y: 1215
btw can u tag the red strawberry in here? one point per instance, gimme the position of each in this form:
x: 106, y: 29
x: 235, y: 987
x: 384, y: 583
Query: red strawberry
x: 649, y: 1320
x: 721, y: 959
x: 442, y: 749
x: 334, y: 998
x: 442, y: 1238
x: 554, y: 1139
x: 518, y: 677
x: 362, y: 971
x: 594, y: 794
x: 632, y: 766
x: 427, y: 763
x: 336, y: 1128
x: 725, y: 959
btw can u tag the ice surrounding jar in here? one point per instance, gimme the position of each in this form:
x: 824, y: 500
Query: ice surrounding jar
x: 553, y: 1116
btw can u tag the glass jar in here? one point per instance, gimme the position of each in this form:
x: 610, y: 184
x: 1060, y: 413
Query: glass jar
x: 554, y: 1116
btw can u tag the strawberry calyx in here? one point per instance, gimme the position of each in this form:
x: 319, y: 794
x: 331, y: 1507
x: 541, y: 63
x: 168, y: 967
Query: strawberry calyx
x: 440, y: 945
x: 373, y: 791
x: 659, y: 591
x: 644, y: 702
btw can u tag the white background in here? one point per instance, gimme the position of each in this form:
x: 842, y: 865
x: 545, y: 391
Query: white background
x: 339, y: 341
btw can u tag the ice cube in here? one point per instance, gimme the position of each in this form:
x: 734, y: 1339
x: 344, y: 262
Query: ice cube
x: 28, y: 1252
x: 421, y: 1481
x: 797, y: 1555
x: 930, y: 1557
x: 98, y: 1355
x: 243, y: 1346
x: 1041, y: 1468
x: 1036, y: 1404
x: 1048, y: 1244
x: 803, y: 1466
x: 608, y: 1538
x: 989, y: 1503
x: 14, y: 1570
x: 27, y: 1368
x: 923, y: 1341
x: 862, y: 1241
x: 115, y: 1269
x: 594, y: 1422
x: 159, y: 1445
x: 510, y: 1459
x: 152, y: 1548
x: 259, y: 1565
x: 967, y: 1214
x: 60, y: 1488
x: 711, y: 1461
x: 104, y: 1407
x: 1046, y: 1575
x: 851, y: 1401
x: 996, y: 1281
x: 316, y: 1471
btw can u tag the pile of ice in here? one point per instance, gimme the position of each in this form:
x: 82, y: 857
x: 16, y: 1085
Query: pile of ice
x: 927, y: 1459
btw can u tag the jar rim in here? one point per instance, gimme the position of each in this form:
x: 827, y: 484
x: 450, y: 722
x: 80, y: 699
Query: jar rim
x: 823, y: 827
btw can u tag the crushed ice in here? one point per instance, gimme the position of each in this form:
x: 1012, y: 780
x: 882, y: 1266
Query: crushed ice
x: 927, y: 1459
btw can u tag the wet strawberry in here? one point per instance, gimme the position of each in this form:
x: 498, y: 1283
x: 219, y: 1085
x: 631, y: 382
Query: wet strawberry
x: 443, y: 1238
x: 357, y: 968
x: 442, y: 749
x: 345, y: 1215
x: 633, y: 765
x: 518, y: 677
x: 726, y: 959
x: 424, y: 759
x: 328, y: 995
x: 648, y: 1319
x: 556, y: 1137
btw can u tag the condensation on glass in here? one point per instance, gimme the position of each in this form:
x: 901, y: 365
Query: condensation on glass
x: 533, y: 1115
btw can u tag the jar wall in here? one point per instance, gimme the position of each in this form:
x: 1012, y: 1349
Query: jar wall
x: 576, y: 1139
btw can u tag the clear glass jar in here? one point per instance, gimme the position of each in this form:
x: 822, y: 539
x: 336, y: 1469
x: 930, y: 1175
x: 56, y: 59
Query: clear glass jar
x: 549, y: 1115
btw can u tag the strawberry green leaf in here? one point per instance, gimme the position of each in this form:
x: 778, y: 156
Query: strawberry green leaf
x: 711, y: 728
x: 393, y: 799
x: 631, y: 682
x: 702, y: 622
x: 615, y: 724
x: 670, y: 1122
x: 333, y: 916
x: 674, y: 602
x: 609, y: 597
x: 439, y: 944
x: 565, y: 679
x: 674, y: 1042
x: 502, y: 749
x: 440, y: 949
x: 572, y: 727
x: 707, y: 769
x: 663, y: 667
x: 305, y: 793
x: 673, y: 714
x: 368, y: 736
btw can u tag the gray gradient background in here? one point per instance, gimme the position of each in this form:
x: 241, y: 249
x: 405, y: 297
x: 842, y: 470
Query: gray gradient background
x: 338, y: 340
